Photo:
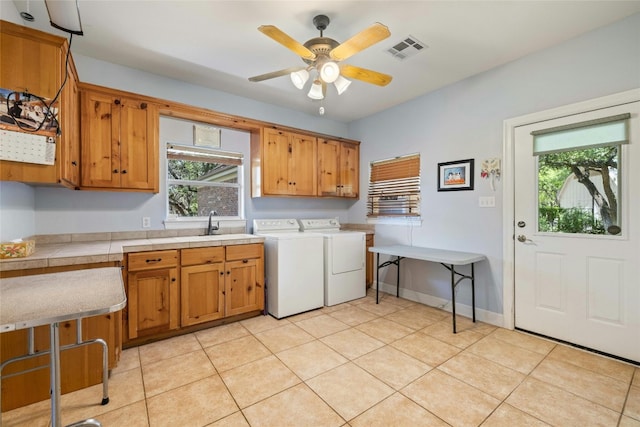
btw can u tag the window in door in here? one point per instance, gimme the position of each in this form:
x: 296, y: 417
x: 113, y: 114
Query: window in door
x: 579, y: 175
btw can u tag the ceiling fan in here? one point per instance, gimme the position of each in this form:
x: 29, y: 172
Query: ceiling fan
x: 322, y: 54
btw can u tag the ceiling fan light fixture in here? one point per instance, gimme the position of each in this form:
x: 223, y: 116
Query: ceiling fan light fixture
x: 316, y: 90
x: 329, y: 72
x: 299, y: 78
x: 341, y: 84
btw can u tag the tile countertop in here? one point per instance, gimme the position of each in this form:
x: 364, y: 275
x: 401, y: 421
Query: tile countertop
x: 366, y: 228
x: 80, y: 251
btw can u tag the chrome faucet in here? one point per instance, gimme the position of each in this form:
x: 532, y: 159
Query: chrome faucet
x: 212, y: 227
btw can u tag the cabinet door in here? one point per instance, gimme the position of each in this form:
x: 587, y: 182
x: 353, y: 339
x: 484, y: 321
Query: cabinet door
x: 328, y: 170
x: 70, y: 122
x: 100, y: 122
x: 153, y: 301
x: 244, y: 287
x: 275, y: 167
x: 30, y: 63
x: 202, y: 289
x: 138, y: 150
x: 303, y: 171
x: 349, y: 170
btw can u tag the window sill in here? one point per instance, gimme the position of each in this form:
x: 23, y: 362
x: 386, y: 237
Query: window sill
x: 405, y: 220
x: 203, y: 222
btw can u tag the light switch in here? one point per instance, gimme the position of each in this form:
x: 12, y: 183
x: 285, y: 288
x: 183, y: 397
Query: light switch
x: 487, y: 202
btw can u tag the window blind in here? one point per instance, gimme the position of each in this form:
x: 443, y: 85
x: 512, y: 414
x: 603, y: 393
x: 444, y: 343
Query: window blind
x: 200, y: 154
x: 394, y: 187
x: 601, y: 132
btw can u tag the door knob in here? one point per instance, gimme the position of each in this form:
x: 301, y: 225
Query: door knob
x: 522, y: 238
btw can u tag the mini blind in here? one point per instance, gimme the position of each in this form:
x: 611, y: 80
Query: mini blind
x: 601, y: 132
x: 200, y: 154
x: 394, y: 187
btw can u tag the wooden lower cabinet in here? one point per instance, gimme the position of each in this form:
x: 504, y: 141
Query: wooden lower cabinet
x: 370, y: 261
x: 214, y: 283
x: 80, y: 367
x: 153, y: 293
x: 202, y: 285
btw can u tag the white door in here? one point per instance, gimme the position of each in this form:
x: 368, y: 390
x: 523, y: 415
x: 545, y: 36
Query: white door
x: 572, y: 283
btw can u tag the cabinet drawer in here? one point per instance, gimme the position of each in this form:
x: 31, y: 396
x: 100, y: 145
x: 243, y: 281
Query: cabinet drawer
x: 238, y: 252
x: 151, y: 260
x: 197, y: 256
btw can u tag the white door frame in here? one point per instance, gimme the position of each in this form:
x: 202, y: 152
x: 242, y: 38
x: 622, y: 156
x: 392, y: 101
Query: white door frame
x: 508, y: 187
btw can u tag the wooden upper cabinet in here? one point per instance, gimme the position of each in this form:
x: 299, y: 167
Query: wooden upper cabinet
x: 33, y: 61
x: 338, y: 168
x: 286, y: 164
x: 119, y: 141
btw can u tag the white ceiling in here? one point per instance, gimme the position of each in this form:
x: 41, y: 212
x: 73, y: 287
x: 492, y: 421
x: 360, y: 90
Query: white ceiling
x: 216, y: 44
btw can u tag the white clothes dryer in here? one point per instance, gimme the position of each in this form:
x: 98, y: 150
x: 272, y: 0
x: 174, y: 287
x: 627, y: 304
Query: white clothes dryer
x: 344, y: 260
x: 293, y: 267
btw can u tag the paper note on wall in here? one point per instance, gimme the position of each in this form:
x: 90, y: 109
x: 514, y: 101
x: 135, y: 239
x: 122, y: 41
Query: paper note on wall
x: 27, y: 148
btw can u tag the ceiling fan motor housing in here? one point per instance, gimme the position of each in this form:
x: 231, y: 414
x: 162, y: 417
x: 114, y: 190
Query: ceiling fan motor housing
x: 321, y: 22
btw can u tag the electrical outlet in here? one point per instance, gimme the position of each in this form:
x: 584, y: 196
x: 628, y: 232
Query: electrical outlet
x: 487, y: 202
x: 146, y: 222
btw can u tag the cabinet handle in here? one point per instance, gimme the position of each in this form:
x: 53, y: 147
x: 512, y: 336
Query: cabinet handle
x: 149, y: 261
x: 117, y: 102
x: 290, y: 150
x: 74, y: 163
x: 258, y: 285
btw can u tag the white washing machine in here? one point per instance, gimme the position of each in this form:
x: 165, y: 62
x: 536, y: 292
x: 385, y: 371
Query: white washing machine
x: 344, y: 260
x: 293, y: 267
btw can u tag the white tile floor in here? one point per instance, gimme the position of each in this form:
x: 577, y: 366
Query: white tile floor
x: 356, y: 364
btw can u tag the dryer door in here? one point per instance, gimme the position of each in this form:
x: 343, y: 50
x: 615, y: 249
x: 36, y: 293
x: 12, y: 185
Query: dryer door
x: 347, y: 252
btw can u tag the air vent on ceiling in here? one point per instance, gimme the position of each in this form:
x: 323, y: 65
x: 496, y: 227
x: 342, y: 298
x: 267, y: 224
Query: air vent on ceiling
x: 407, y: 47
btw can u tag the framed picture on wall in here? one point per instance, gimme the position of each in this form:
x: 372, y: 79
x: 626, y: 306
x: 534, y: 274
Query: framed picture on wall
x: 455, y: 176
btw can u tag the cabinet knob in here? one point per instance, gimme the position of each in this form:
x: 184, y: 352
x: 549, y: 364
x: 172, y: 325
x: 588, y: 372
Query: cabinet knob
x: 222, y: 274
x: 117, y: 102
x: 115, y: 171
x: 245, y: 261
x: 143, y: 106
x: 124, y: 171
x: 173, y: 279
x: 74, y: 163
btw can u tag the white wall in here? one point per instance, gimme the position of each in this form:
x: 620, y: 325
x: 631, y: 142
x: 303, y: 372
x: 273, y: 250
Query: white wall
x: 465, y: 120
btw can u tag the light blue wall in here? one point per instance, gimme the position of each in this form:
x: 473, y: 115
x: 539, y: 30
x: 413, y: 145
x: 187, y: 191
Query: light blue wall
x: 465, y: 120
x: 17, y: 211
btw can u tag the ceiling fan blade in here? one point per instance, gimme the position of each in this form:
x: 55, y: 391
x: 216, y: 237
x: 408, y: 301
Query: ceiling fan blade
x: 367, y: 76
x: 285, y: 40
x: 365, y: 38
x: 274, y: 74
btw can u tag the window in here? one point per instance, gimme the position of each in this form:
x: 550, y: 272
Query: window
x: 394, y: 187
x: 203, y: 180
x: 579, y: 171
